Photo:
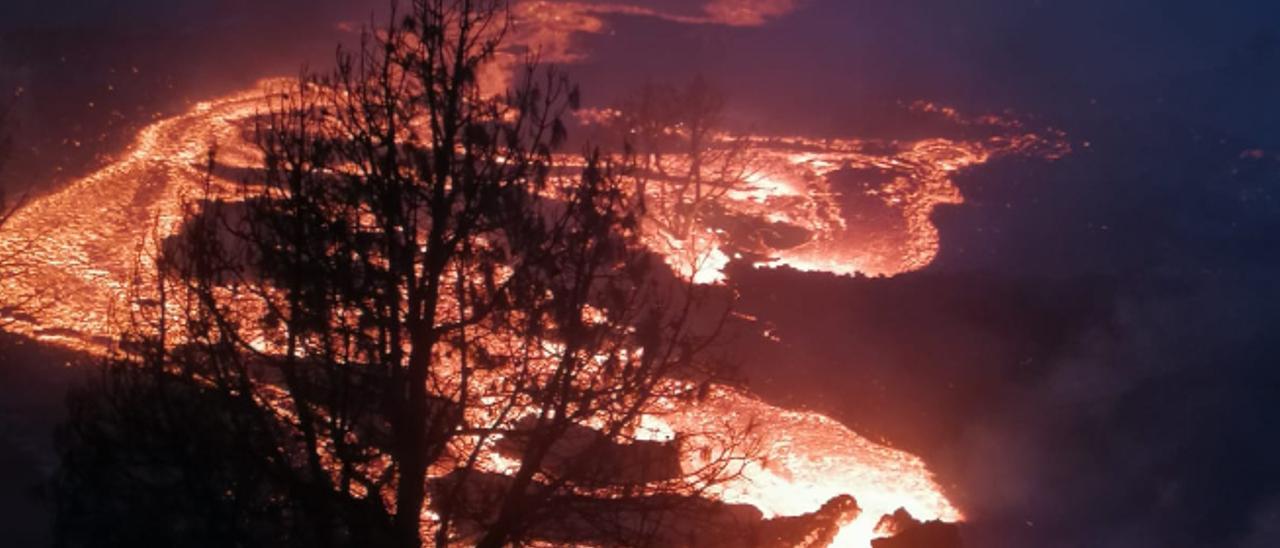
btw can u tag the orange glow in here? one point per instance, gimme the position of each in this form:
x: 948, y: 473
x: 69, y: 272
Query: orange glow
x: 84, y: 241
x: 79, y: 248
x: 808, y: 459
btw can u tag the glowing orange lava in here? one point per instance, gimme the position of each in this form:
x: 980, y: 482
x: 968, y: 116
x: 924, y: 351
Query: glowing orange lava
x: 80, y: 249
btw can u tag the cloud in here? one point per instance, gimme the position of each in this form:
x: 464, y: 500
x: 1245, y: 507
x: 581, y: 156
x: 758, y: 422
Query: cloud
x: 548, y: 26
x: 748, y: 13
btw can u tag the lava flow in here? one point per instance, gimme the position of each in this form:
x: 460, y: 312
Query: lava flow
x: 85, y: 241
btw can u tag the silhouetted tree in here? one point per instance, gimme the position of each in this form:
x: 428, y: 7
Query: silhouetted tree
x: 13, y: 250
x: 415, y: 321
x: 7, y: 207
x: 686, y: 163
x: 678, y: 134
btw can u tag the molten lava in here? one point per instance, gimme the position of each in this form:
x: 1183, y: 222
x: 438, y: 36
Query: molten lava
x: 80, y: 249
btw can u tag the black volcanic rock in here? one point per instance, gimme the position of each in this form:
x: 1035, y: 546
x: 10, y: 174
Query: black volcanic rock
x: 816, y: 529
x: 662, y: 520
x: 596, y: 458
x: 909, y: 532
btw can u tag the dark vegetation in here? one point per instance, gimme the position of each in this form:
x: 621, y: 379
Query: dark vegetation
x: 7, y: 206
x: 410, y: 284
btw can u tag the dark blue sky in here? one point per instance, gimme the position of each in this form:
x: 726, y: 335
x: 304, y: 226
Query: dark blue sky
x: 1110, y: 317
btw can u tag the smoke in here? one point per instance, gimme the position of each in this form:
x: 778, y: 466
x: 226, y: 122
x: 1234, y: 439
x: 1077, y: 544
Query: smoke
x: 748, y: 13
x: 550, y: 26
x: 1264, y: 526
x: 1133, y: 435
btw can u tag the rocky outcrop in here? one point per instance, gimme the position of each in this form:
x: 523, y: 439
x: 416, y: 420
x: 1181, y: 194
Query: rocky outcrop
x: 908, y: 532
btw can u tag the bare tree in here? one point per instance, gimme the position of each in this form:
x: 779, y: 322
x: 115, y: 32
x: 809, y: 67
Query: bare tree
x: 422, y: 323
x: 687, y: 157
x: 6, y: 146
x: 13, y: 248
x: 686, y: 164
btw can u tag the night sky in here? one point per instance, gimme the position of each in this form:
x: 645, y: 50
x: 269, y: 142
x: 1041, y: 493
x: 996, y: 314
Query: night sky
x: 1091, y: 360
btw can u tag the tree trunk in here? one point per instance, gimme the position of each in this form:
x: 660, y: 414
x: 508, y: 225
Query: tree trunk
x: 414, y: 414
